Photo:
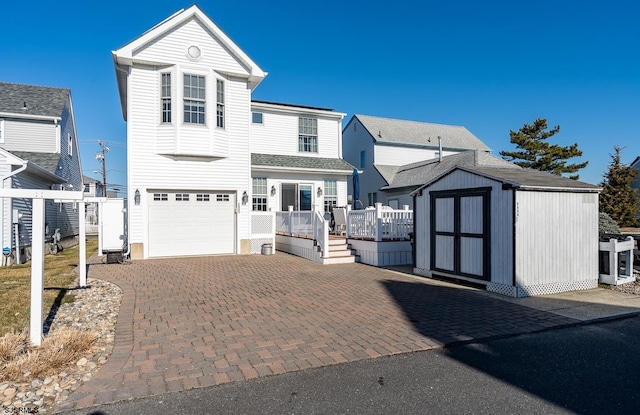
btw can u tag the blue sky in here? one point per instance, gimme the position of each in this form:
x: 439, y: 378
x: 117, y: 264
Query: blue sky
x: 489, y: 66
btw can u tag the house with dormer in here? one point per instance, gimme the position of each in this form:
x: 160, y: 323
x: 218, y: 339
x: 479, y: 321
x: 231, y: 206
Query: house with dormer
x: 38, y: 150
x: 203, y: 156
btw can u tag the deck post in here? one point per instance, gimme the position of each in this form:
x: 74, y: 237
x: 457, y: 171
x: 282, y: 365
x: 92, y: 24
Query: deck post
x: 348, y: 233
x: 378, y: 222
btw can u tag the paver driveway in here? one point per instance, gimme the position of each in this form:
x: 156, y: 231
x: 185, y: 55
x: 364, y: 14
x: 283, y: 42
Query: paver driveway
x: 194, y: 322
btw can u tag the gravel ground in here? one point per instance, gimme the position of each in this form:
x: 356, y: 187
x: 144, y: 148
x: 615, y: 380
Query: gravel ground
x: 631, y: 287
x: 95, y: 309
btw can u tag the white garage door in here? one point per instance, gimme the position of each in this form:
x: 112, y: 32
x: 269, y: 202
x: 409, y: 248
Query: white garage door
x: 190, y: 223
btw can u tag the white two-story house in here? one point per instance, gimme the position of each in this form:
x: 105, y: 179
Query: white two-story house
x: 202, y: 155
x: 38, y: 150
x: 395, y: 155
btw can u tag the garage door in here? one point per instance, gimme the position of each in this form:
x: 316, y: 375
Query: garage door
x: 191, y: 223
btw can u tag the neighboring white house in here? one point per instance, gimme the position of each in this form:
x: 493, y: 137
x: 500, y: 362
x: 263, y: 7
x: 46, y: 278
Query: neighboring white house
x: 38, y: 150
x: 92, y: 188
x: 203, y: 157
x: 382, y: 147
x: 521, y: 232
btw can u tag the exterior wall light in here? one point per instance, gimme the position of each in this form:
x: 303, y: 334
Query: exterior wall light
x: 245, y: 197
x: 136, y: 197
x: 319, y: 191
x: 273, y: 190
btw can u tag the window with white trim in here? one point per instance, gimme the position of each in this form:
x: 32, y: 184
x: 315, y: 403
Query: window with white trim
x: 372, y: 198
x: 182, y: 197
x: 259, y: 190
x: 165, y: 97
x: 330, y: 195
x: 308, y: 135
x: 194, y: 99
x: 69, y: 145
x: 256, y: 117
x: 363, y: 159
x: 202, y: 197
x: 161, y: 197
x: 222, y: 198
x: 219, y: 103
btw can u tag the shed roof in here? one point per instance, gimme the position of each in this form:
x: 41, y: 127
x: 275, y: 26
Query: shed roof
x: 416, y: 174
x: 300, y: 162
x: 23, y: 99
x: 524, y: 179
x: 394, y: 131
x: 48, y: 161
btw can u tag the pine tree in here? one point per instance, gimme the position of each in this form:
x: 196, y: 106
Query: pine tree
x: 618, y: 199
x: 536, y: 153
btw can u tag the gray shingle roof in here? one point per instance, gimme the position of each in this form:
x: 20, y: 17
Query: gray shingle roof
x: 388, y: 130
x: 39, y: 100
x: 48, y: 161
x: 300, y: 162
x: 533, y: 179
x: 417, y: 174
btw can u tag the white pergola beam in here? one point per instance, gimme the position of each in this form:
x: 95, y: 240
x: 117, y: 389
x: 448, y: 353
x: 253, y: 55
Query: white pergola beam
x: 64, y: 195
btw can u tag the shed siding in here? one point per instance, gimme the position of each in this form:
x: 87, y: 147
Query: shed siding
x: 501, y: 224
x: 278, y: 134
x: 29, y: 135
x: 556, y: 235
x: 172, y: 48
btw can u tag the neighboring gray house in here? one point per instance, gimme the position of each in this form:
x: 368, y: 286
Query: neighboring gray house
x: 520, y: 232
x: 387, y: 150
x: 38, y: 150
x: 636, y: 183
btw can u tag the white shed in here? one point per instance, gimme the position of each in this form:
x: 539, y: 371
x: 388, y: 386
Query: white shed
x: 521, y: 232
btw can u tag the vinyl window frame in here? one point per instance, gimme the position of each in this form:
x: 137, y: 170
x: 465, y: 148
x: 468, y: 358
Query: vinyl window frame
x: 194, y: 99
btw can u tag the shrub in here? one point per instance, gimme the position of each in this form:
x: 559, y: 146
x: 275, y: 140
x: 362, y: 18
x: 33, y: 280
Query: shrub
x: 607, y: 225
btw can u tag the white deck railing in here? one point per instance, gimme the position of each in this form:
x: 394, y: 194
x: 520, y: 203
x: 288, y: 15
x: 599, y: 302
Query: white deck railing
x: 305, y: 224
x: 380, y: 224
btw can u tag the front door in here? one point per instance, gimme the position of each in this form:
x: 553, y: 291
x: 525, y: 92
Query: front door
x: 460, y: 221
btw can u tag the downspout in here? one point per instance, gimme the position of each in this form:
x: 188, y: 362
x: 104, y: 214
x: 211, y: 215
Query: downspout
x: 439, y: 149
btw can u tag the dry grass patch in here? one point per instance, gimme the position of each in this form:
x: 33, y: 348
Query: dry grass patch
x: 15, y: 286
x: 22, y: 362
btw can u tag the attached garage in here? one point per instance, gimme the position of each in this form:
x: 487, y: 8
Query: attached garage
x: 519, y: 232
x: 191, y: 223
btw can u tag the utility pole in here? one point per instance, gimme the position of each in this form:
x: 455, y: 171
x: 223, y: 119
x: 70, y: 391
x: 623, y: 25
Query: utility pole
x: 101, y: 156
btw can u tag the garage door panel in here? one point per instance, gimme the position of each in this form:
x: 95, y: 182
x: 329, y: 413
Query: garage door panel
x: 187, y: 223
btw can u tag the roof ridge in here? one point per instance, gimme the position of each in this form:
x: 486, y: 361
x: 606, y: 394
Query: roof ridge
x: 37, y: 86
x: 409, y: 121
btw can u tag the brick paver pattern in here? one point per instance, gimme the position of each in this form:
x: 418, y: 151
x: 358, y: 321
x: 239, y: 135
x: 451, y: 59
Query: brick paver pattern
x: 202, y: 321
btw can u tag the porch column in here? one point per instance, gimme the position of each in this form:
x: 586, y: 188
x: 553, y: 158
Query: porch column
x: 378, y: 222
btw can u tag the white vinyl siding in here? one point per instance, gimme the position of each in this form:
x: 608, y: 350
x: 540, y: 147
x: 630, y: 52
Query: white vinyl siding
x: 1, y: 131
x: 30, y: 135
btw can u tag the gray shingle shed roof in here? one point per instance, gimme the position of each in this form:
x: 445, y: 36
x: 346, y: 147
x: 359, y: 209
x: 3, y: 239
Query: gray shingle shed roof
x: 48, y: 161
x: 300, y: 162
x: 419, y: 173
x: 389, y: 130
x: 534, y: 179
x: 39, y: 100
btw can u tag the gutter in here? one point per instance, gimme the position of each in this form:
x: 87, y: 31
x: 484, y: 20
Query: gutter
x: 30, y: 116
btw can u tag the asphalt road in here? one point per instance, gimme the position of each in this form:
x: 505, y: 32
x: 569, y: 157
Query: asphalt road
x: 591, y: 369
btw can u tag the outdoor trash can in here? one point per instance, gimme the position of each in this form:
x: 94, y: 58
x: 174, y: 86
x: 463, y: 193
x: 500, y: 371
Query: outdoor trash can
x: 267, y: 249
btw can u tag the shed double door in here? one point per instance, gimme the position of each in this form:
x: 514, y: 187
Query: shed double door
x: 460, y: 223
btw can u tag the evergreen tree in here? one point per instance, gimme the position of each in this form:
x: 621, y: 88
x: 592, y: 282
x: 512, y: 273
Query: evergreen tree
x: 536, y: 153
x: 618, y: 199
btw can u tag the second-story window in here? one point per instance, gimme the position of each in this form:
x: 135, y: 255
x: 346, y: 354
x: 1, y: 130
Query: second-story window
x: 194, y: 99
x: 308, y: 135
x: 220, y: 103
x: 165, y: 95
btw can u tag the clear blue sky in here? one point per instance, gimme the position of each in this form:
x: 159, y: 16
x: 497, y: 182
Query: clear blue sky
x: 490, y: 66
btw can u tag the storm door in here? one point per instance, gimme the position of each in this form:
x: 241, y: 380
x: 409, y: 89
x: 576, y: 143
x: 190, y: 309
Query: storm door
x: 460, y: 221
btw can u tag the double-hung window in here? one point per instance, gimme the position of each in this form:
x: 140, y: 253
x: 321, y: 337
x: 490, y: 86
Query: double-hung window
x: 259, y: 201
x: 308, y: 135
x: 165, y: 97
x: 330, y: 195
x: 220, y: 103
x: 194, y: 99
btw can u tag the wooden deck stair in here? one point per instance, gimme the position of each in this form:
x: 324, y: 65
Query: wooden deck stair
x: 339, y: 251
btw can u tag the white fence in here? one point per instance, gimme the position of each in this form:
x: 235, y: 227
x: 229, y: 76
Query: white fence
x: 380, y: 223
x: 307, y: 224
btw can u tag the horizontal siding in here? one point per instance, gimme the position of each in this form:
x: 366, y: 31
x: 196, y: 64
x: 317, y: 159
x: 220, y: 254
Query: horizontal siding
x: 172, y: 48
x: 25, y: 207
x: 5, y: 219
x: 278, y: 134
x: 557, y: 237
x: 30, y: 135
x: 70, y: 170
x: 501, y: 225
x: 399, y: 156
